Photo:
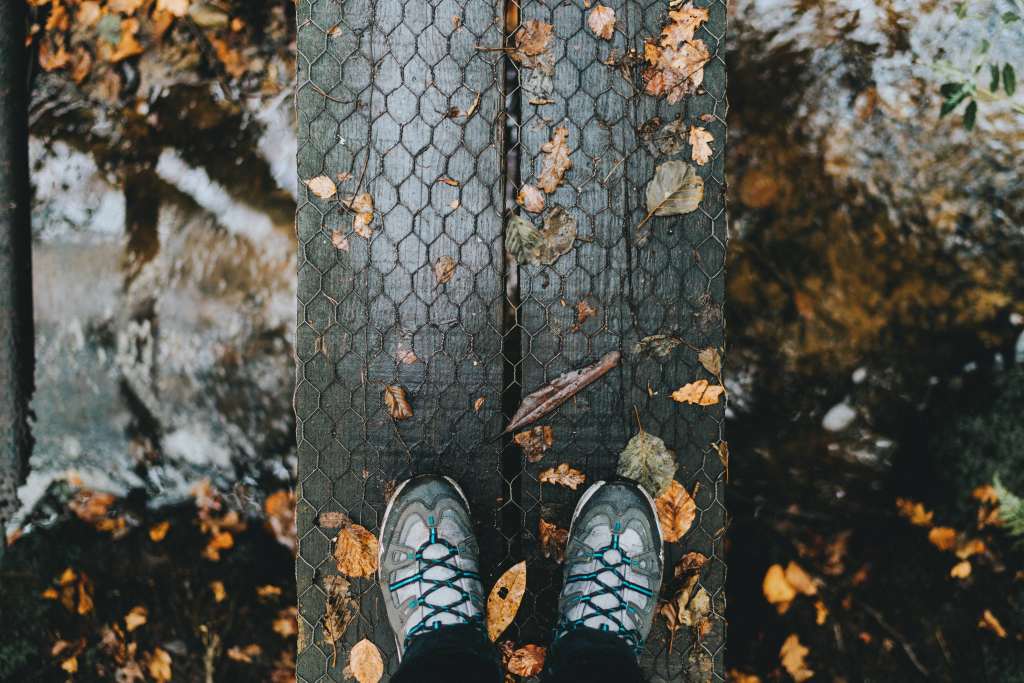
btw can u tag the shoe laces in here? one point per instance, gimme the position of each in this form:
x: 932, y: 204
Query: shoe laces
x: 608, y: 579
x: 434, y: 583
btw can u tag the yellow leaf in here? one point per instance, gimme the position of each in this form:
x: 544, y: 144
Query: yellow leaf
x: 70, y: 665
x: 737, y: 676
x: 820, y: 612
x: 914, y: 512
x: 178, y: 8
x: 504, y: 599
x: 942, y: 537
x: 268, y: 591
x: 961, y: 570
x: 563, y: 475
x: 777, y: 590
x: 989, y: 621
x: 676, y: 512
x: 800, y: 580
x: 221, y: 540
x: 355, y: 551
x: 792, y: 655
x: 701, y: 393
x: 244, y: 654
x: 159, y: 666
x: 970, y: 549
x: 217, y: 588
x: 286, y: 624
x: 158, y: 532
x: 365, y: 663
x: 534, y: 442
x: 135, y: 618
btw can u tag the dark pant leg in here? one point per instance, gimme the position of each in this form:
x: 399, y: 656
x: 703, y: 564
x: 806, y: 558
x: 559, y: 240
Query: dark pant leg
x: 460, y: 652
x: 587, y: 654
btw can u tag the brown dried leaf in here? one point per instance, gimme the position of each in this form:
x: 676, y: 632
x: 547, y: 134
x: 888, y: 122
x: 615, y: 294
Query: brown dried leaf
x: 355, y: 551
x: 244, y: 654
x: 531, y: 42
x: 449, y: 181
x: 135, y: 618
x: 527, y: 660
x: 700, y: 393
x: 556, y: 160
x: 286, y: 624
x: 711, y: 360
x: 340, y: 609
x: 362, y: 206
x: 676, y: 512
x: 159, y: 666
x: 479, y: 403
x: 584, y: 311
x: 322, y: 186
x: 683, y: 24
x: 339, y: 240
x: 544, y: 400
x: 942, y: 537
x: 178, y: 8
x: 690, y: 564
x: 961, y: 570
x: 217, y: 588
x: 563, y: 475
x: 334, y: 520
x: 444, y: 269
x: 504, y: 599
x: 676, y: 189
x: 531, y: 199
x: 648, y: 461
x: 792, y: 655
x: 700, y: 149
x: 365, y: 663
x: 676, y: 63
x: 660, y: 345
x: 602, y: 21
x: 396, y: 402
x: 534, y: 442
x: 279, y: 508
x: 552, y: 540
x: 158, y: 531
x: 915, y: 513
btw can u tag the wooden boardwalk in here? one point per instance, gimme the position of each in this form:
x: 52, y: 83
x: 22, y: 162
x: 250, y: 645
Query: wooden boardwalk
x: 399, y: 100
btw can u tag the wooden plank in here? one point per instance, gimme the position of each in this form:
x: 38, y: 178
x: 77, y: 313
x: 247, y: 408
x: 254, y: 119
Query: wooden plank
x: 378, y: 84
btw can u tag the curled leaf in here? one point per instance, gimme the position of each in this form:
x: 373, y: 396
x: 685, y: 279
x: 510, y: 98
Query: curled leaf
x: 527, y: 660
x: 365, y: 663
x: 700, y: 393
x: 397, y: 403
x: 563, y: 475
x: 602, y: 21
x: 521, y: 238
x: 544, y: 400
x: 339, y: 240
x: 584, y: 311
x: 504, y: 599
x: 648, y: 461
x: 556, y: 160
x: 676, y: 512
x: 355, y: 551
x: 339, y: 610
x: 534, y: 442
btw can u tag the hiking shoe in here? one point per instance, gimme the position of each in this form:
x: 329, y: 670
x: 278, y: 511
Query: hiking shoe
x: 613, y: 563
x: 428, y: 559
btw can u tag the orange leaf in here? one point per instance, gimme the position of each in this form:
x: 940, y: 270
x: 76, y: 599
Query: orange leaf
x: 676, y: 512
x: 527, y: 660
x: 365, y: 663
x: 355, y: 551
x: 701, y: 393
x: 563, y: 475
x: 397, y: 403
x: 504, y: 600
x: 793, y: 656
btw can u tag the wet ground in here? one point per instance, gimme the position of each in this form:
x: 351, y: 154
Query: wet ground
x: 875, y: 318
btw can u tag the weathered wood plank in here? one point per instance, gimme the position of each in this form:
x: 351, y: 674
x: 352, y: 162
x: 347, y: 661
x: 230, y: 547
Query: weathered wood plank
x: 378, y: 81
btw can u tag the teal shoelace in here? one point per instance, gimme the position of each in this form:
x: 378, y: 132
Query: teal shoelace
x: 611, y: 571
x: 425, y: 564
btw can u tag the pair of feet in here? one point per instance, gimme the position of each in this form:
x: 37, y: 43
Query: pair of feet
x: 430, y: 574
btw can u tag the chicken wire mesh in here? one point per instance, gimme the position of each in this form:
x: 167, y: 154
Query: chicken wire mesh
x: 419, y: 105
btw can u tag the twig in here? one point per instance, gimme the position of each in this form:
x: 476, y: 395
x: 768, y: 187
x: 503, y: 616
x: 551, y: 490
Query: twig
x: 896, y: 634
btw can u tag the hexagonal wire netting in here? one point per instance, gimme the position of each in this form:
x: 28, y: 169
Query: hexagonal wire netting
x: 418, y: 105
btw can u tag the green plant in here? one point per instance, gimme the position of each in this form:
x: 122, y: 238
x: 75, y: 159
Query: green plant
x: 1011, y: 510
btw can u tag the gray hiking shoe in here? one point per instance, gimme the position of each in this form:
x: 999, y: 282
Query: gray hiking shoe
x: 429, y: 559
x: 613, y: 563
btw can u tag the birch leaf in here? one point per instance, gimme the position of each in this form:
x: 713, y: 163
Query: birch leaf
x: 676, y: 189
x: 563, y: 475
x: 701, y: 393
x: 504, y: 600
x: 647, y: 460
x: 700, y: 149
x: 602, y: 21
x: 322, y: 186
x: 355, y: 551
x: 365, y: 663
x: 397, y: 403
x: 544, y: 400
x: 556, y: 160
x: 531, y: 199
x: 676, y: 512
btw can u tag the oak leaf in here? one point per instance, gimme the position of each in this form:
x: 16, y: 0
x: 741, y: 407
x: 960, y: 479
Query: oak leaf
x: 365, y: 663
x: 534, y: 442
x: 531, y: 43
x: 602, y: 21
x: 676, y: 512
x: 563, y: 475
x: 701, y: 393
x: 700, y: 150
x: 355, y: 551
x: 397, y: 403
x: 504, y: 600
x: 556, y: 160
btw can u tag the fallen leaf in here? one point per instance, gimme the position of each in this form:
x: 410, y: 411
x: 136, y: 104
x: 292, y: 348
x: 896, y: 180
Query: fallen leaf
x: 711, y: 361
x: 970, y: 548
x: 334, y: 520
x: 961, y: 570
x: 676, y: 63
x: 339, y: 240
x: 178, y: 8
x: 286, y: 624
x: 737, y: 676
x: 322, y: 186
x: 268, y: 591
x: 521, y: 238
x: 158, y: 531
x: 563, y: 475
x: 70, y: 665
x: 676, y: 512
x: 700, y: 393
x: 159, y: 666
x: 722, y: 448
x: 365, y: 663
x: 556, y: 160
x: 221, y: 540
x: 135, y: 618
x: 531, y: 44
x: 942, y: 537
x: 534, y: 442
x: 552, y: 540
x: 397, y: 403
x: 555, y: 239
x: 990, y: 622
x: 544, y: 400
x: 691, y: 563
x: 355, y: 551
x: 777, y: 590
x: 531, y: 199
x: 648, y: 461
x: 915, y: 513
x: 584, y: 311
x: 793, y: 656
x: 504, y: 599
x: 602, y: 21
x: 527, y: 660
x: 820, y: 612
x: 449, y: 181
x: 479, y: 403
x: 661, y: 345
x: 700, y: 149
x: 244, y: 654
x: 340, y: 610
x: 986, y: 493
x: 279, y: 508
x: 128, y: 46
x: 444, y: 269
x: 676, y: 189
x: 800, y: 579
x: 217, y: 588
x: 362, y: 206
